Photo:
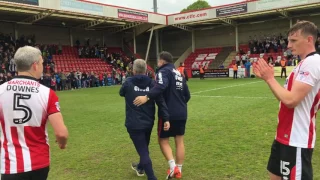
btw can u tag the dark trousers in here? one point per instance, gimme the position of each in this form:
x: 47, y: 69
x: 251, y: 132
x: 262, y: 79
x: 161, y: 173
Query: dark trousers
x: 59, y: 86
x: 284, y: 70
x: 235, y: 74
x: 40, y: 174
x: 201, y: 75
x: 141, y: 140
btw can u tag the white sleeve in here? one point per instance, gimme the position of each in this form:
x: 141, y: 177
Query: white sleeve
x: 309, y: 71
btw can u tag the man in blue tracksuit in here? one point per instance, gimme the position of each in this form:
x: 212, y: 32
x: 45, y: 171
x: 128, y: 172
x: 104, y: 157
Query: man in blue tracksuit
x: 171, y: 84
x: 140, y: 120
x: 247, y: 66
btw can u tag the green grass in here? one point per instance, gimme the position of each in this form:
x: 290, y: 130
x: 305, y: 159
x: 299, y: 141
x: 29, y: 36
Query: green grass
x: 228, y: 136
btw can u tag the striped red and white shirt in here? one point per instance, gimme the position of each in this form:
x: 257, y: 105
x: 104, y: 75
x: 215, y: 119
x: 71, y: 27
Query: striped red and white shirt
x: 24, y: 109
x: 297, y: 126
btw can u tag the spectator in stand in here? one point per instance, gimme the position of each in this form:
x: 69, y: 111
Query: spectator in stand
x: 92, y: 80
x: 52, y: 66
x: 84, y: 78
x: 58, y: 81
x: 270, y: 59
x: 12, y: 65
x: 80, y: 51
x: 79, y: 78
x: 53, y: 83
x: 247, y: 66
x: 2, y: 68
x: 60, y: 49
x: 9, y: 76
x: 63, y: 80
x: 69, y: 80
x: 101, y: 79
x: 2, y: 78
x: 244, y: 58
x: 77, y: 43
x: 123, y: 79
x: 283, y: 45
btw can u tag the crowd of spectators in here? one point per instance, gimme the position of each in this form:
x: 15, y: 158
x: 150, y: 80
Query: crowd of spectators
x: 266, y: 47
x: 121, y: 65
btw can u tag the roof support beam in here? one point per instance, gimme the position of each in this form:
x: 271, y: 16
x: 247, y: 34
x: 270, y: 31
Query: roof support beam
x: 100, y: 21
x: 157, y: 27
x: 39, y: 16
x: 127, y: 26
x: 92, y: 23
x: 228, y: 21
x: 283, y: 13
x: 186, y: 28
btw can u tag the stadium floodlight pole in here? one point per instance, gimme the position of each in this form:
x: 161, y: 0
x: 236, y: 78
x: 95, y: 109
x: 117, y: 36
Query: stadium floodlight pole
x: 71, y: 37
x: 150, y: 39
x: 155, y: 9
x: 155, y: 6
x: 134, y: 42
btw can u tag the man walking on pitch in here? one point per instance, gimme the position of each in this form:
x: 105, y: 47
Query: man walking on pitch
x: 173, y: 87
x: 291, y: 152
x: 140, y: 120
x: 25, y: 108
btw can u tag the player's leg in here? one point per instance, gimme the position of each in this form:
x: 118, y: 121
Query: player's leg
x: 163, y: 138
x: 274, y: 177
x: 40, y: 174
x: 140, y: 143
x: 306, y: 164
x: 274, y: 162
x: 179, y: 141
x: 293, y: 163
x: 18, y: 176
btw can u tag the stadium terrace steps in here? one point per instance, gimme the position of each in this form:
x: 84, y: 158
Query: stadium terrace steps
x: 221, y: 57
x: 229, y: 59
x: 69, y: 61
x: 203, y: 56
x: 183, y: 57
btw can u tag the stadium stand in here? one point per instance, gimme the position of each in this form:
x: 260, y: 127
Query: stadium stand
x: 202, y: 57
x: 98, y: 62
x: 70, y: 61
x: 274, y: 48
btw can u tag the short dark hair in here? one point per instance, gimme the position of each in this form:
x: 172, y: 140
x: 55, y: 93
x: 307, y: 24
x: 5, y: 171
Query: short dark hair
x: 306, y: 27
x: 166, y: 56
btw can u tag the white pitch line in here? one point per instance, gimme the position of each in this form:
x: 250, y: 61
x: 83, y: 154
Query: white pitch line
x: 225, y: 87
x: 235, y: 97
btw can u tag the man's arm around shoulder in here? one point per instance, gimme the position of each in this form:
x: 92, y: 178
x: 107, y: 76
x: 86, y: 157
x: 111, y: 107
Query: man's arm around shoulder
x: 122, y: 91
x: 162, y: 82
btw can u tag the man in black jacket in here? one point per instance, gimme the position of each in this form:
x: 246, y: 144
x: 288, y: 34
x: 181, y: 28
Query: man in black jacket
x: 140, y: 120
x: 173, y: 87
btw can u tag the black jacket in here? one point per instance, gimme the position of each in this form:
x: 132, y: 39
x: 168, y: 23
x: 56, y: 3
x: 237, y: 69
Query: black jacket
x: 142, y: 117
x: 175, y: 91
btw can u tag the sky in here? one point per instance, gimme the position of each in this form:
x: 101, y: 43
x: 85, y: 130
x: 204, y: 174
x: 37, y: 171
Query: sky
x: 164, y: 6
